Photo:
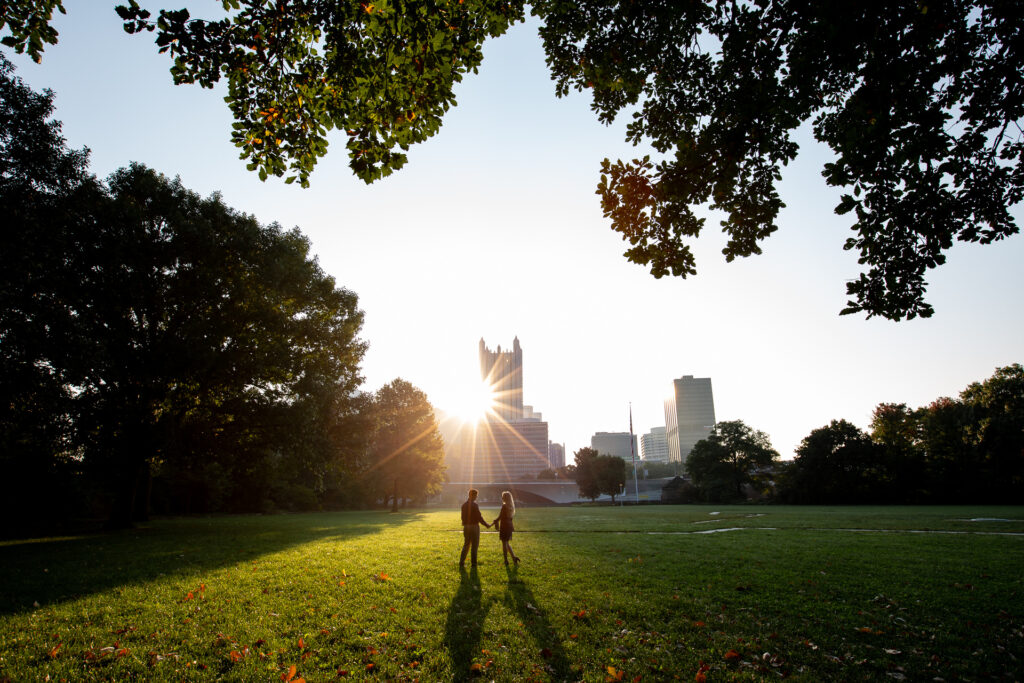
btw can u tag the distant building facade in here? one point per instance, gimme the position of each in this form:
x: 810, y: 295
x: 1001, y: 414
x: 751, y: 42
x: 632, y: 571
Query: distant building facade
x: 506, y: 451
x: 620, y: 444
x: 689, y: 415
x: 512, y: 442
x: 654, y: 445
x: 503, y: 372
x: 556, y: 455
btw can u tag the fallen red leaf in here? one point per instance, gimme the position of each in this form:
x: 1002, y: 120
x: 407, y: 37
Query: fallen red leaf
x: 123, y: 652
x: 302, y: 643
x: 235, y: 656
x: 54, y: 650
x: 732, y: 654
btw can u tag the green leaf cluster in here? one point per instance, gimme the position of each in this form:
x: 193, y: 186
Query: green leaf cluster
x: 382, y: 72
x: 28, y: 24
x: 921, y: 104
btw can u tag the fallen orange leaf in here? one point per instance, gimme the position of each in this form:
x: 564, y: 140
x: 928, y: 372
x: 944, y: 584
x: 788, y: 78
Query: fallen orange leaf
x: 732, y: 654
x: 302, y: 643
x: 53, y: 651
x: 290, y: 675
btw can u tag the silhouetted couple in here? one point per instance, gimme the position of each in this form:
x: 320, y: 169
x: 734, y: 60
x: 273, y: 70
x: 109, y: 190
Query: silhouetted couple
x: 472, y: 519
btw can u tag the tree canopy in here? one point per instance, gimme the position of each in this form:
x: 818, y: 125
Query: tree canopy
x: 921, y: 105
x: 146, y: 330
x: 838, y: 464
x: 952, y: 451
x: 406, y: 449
x: 722, y: 464
x: 598, y: 473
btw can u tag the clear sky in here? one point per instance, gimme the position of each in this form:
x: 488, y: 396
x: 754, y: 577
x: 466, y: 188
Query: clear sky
x: 493, y: 230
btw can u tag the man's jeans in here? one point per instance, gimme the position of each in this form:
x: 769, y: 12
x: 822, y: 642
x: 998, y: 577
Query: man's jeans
x: 471, y: 534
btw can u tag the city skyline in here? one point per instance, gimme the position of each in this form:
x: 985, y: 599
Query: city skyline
x: 493, y: 230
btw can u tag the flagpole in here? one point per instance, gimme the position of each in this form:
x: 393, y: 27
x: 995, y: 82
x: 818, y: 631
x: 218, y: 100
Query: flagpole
x: 632, y: 452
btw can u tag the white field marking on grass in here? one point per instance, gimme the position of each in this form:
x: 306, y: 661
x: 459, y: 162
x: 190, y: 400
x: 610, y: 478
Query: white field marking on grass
x: 712, y: 521
x: 985, y: 519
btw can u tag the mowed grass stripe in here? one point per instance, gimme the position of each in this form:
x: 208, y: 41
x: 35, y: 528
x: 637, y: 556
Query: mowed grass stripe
x: 373, y: 595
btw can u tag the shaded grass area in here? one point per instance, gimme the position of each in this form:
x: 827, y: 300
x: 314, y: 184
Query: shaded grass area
x: 372, y: 595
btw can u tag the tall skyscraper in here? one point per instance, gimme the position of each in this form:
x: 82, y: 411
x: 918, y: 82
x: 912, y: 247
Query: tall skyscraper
x: 513, y: 442
x: 654, y: 445
x: 503, y: 372
x: 689, y: 415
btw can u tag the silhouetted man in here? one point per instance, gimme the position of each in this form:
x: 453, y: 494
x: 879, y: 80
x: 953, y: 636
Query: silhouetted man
x: 471, y: 521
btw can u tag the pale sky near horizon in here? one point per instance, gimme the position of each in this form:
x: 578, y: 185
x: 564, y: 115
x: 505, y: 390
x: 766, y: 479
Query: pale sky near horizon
x: 493, y: 231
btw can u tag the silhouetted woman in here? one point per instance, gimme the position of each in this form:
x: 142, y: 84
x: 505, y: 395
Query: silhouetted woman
x: 505, y: 527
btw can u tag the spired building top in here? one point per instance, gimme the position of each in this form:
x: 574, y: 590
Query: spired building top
x: 515, y: 445
x: 503, y: 372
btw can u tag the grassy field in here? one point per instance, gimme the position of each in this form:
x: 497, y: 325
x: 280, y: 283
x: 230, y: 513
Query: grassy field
x: 603, y: 594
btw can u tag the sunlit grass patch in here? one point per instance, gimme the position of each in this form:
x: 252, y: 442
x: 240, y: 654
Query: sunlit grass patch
x: 798, y: 592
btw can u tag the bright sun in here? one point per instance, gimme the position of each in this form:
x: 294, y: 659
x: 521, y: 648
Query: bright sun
x: 474, y: 401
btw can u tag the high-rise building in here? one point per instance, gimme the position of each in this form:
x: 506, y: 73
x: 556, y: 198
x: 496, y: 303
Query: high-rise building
x: 654, y: 445
x: 506, y: 451
x: 512, y: 442
x: 503, y: 372
x: 620, y: 444
x: 689, y: 415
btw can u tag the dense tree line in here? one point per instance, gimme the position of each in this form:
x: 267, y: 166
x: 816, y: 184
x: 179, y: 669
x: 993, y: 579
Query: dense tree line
x: 964, y: 450
x: 919, y: 103
x: 162, y: 351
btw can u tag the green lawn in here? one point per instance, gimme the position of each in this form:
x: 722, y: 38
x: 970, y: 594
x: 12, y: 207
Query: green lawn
x: 604, y: 593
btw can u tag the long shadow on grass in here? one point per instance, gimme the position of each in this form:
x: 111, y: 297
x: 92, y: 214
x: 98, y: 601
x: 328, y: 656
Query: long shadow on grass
x: 35, y: 573
x: 463, y: 628
x: 520, y: 599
